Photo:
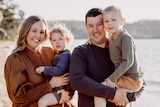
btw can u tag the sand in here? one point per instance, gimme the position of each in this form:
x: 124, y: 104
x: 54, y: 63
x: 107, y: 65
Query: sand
x: 4, y: 47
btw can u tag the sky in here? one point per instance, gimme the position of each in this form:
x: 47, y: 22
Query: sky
x: 133, y: 10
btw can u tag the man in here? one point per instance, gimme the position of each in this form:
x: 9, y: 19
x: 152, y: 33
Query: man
x: 91, y: 64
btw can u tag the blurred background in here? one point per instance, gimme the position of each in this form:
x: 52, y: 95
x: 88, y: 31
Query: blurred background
x: 143, y: 20
x: 143, y: 23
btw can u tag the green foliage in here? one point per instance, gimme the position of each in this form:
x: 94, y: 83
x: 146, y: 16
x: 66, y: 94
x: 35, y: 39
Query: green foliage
x: 12, y: 17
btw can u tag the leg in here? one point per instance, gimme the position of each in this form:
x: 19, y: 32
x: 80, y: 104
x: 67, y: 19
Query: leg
x: 129, y: 83
x: 47, y: 100
x: 99, y: 102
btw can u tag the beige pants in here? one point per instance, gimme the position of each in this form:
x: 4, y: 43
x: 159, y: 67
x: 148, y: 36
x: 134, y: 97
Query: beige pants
x: 129, y: 83
x: 124, y: 82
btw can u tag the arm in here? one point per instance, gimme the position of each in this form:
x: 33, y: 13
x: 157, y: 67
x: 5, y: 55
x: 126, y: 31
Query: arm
x: 19, y: 88
x: 60, y: 66
x: 79, y: 79
x: 127, y: 59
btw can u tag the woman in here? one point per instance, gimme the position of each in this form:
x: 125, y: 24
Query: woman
x: 24, y: 85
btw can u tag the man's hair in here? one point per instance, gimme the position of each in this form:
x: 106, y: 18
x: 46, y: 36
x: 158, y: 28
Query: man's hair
x: 93, y: 13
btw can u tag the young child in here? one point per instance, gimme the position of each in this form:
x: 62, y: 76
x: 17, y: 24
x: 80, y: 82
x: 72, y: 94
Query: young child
x: 60, y: 38
x: 128, y: 73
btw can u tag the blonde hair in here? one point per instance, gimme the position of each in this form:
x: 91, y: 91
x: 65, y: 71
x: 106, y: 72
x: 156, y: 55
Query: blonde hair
x: 24, y: 30
x: 64, y: 31
x: 114, y: 9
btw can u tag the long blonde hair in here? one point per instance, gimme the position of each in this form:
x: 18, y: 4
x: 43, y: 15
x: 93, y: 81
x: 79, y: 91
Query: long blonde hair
x: 24, y: 30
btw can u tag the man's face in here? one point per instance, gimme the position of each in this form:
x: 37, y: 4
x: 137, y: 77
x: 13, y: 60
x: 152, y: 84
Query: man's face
x: 96, y: 30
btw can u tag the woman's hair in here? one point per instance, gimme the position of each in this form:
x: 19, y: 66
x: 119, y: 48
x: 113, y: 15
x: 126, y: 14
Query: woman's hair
x: 64, y: 31
x: 24, y: 30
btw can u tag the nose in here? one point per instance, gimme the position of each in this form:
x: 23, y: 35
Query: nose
x: 95, y: 29
x: 57, y: 41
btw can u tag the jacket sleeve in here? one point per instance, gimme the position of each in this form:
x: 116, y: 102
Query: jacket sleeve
x: 20, y: 90
x: 58, y: 68
x: 127, y: 59
x: 79, y: 79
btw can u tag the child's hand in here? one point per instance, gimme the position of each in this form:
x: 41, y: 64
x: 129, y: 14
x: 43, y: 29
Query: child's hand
x: 104, y: 83
x: 88, y: 42
x: 40, y: 69
x: 110, y: 83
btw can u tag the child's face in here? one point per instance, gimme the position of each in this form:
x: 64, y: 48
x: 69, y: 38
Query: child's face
x: 112, y: 22
x: 58, y: 42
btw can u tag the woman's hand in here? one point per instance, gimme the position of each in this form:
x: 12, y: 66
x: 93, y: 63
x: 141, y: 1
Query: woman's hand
x: 64, y: 96
x: 57, y: 81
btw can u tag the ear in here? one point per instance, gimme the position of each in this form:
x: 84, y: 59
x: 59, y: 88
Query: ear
x: 123, y: 21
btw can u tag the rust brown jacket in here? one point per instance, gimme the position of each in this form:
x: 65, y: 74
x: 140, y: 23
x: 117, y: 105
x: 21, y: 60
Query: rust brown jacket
x: 24, y: 85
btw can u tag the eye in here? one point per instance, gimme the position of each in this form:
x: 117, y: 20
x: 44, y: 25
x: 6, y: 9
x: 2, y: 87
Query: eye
x: 90, y: 26
x: 113, y: 20
x: 60, y: 38
x: 106, y: 21
x: 42, y: 32
x: 34, y: 31
x: 53, y: 40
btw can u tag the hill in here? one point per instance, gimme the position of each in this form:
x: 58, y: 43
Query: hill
x: 146, y: 29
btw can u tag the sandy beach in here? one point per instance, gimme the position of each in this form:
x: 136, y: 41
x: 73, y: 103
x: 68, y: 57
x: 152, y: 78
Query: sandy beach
x: 149, y: 99
x: 4, y: 48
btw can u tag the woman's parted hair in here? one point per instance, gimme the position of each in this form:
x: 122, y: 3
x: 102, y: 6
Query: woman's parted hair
x: 24, y: 30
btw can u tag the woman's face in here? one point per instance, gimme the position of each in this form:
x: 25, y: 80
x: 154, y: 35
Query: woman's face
x: 36, y: 35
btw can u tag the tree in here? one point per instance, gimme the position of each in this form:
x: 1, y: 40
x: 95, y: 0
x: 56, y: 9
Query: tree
x: 12, y: 17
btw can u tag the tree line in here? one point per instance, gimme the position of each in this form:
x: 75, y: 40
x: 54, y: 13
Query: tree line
x: 142, y: 29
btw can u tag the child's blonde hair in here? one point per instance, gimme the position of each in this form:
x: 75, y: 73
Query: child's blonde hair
x: 115, y: 9
x: 64, y: 31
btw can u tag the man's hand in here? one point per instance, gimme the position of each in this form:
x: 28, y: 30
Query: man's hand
x: 120, y: 98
